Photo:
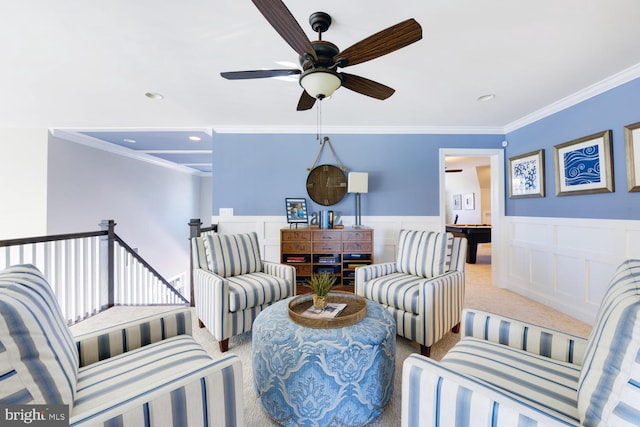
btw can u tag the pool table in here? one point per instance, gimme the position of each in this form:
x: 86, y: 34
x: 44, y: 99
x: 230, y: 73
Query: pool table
x: 475, y: 233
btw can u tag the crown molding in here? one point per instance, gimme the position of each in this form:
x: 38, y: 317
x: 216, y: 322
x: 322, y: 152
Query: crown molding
x: 595, y: 89
x: 79, y: 138
x: 413, y: 130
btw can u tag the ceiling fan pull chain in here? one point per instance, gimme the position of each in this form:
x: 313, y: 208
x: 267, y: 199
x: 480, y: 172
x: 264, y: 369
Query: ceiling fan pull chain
x: 318, y: 120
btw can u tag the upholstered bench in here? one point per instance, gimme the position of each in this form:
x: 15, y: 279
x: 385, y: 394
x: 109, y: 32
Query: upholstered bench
x: 149, y: 372
x: 323, y: 377
x: 504, y: 372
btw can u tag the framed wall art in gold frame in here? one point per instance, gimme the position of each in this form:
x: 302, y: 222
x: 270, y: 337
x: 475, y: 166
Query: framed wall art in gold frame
x: 526, y: 175
x: 584, y: 165
x: 632, y: 145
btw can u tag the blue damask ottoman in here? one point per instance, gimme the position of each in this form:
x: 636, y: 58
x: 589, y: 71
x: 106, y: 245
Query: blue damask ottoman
x: 323, y: 377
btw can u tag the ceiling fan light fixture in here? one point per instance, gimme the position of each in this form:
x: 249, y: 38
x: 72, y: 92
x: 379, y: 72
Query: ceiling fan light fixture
x: 320, y: 83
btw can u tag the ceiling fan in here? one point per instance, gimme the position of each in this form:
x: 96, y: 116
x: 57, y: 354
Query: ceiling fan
x: 320, y: 59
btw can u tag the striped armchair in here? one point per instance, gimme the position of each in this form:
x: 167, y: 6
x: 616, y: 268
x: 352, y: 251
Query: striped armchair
x: 148, y: 372
x: 423, y: 288
x: 504, y: 372
x: 232, y: 285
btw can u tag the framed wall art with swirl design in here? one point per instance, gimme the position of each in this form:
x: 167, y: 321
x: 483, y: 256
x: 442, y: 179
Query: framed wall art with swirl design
x: 584, y: 165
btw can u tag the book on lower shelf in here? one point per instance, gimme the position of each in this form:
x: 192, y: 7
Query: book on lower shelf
x: 330, y: 311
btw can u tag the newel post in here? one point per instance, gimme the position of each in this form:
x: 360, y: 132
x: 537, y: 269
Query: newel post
x: 108, y: 270
x: 194, y: 231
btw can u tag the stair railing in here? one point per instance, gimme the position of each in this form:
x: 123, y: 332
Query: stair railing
x: 91, y: 271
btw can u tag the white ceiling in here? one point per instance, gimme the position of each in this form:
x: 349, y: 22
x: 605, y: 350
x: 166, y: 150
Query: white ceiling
x: 87, y: 65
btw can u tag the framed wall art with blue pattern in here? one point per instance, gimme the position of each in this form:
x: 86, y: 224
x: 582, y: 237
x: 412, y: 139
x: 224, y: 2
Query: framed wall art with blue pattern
x: 526, y: 175
x: 585, y: 165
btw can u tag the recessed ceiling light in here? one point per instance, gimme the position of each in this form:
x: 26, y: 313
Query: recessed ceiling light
x: 487, y: 97
x: 132, y: 141
x: 194, y: 138
x: 154, y: 95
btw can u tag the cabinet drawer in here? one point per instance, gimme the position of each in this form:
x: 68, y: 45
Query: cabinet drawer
x: 327, y: 246
x: 357, y: 235
x: 296, y: 247
x: 358, y: 247
x: 295, y: 235
x: 325, y: 235
x: 303, y: 270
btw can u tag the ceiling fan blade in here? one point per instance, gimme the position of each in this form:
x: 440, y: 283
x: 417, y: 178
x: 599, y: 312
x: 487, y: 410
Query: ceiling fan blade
x: 306, y: 101
x: 286, y: 25
x: 366, y: 87
x: 381, y: 43
x: 258, y: 74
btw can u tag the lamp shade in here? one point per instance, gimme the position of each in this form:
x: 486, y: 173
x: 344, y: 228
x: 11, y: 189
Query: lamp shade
x: 358, y: 182
x: 320, y: 83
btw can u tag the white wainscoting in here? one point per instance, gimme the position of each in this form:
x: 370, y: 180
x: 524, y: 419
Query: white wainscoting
x: 385, y: 231
x: 561, y: 262
x: 567, y: 263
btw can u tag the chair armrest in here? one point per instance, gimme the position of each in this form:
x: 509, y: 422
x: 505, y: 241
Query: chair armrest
x: 284, y: 271
x: 433, y: 395
x: 210, y: 395
x: 108, y: 342
x: 532, y: 338
x: 211, y: 297
x: 365, y: 273
x: 441, y: 299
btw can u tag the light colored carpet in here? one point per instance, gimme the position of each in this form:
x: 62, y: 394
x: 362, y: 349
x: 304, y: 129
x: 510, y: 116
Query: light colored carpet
x: 479, y: 294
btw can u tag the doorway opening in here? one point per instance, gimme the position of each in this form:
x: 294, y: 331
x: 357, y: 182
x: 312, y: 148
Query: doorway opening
x: 472, y: 192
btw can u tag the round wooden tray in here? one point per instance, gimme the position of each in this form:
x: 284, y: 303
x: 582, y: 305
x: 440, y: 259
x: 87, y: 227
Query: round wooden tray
x: 355, y: 311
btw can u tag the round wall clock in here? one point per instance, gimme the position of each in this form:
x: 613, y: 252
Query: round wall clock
x: 326, y: 184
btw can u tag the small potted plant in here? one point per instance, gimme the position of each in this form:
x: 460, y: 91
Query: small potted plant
x: 321, y: 284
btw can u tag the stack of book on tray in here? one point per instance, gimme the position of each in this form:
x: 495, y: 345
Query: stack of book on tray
x: 294, y: 258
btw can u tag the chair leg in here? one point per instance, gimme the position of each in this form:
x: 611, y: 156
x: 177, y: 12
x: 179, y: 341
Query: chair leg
x: 200, y: 324
x: 424, y: 350
x: 224, y: 345
x: 456, y: 328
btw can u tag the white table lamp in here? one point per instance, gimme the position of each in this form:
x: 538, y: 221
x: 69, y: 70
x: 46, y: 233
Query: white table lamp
x: 358, y: 183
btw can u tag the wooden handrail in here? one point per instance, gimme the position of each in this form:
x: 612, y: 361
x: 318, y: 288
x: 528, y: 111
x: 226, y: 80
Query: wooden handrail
x: 43, y: 239
x: 97, y: 264
x: 148, y: 267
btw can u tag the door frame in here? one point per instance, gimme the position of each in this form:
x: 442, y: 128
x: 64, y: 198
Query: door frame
x: 498, y: 226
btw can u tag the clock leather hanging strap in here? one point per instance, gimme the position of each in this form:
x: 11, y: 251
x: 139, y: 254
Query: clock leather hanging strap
x: 326, y: 141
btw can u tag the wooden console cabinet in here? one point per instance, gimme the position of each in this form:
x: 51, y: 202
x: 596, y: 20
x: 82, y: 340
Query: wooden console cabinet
x: 336, y: 251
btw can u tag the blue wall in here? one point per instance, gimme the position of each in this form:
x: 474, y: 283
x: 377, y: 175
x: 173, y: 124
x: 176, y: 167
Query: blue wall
x: 254, y: 173
x: 612, y: 110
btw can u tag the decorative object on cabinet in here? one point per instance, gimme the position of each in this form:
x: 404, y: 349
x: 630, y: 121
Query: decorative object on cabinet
x: 358, y: 183
x: 336, y: 251
x: 526, y: 175
x: 296, y: 210
x: 632, y: 143
x: 585, y: 165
